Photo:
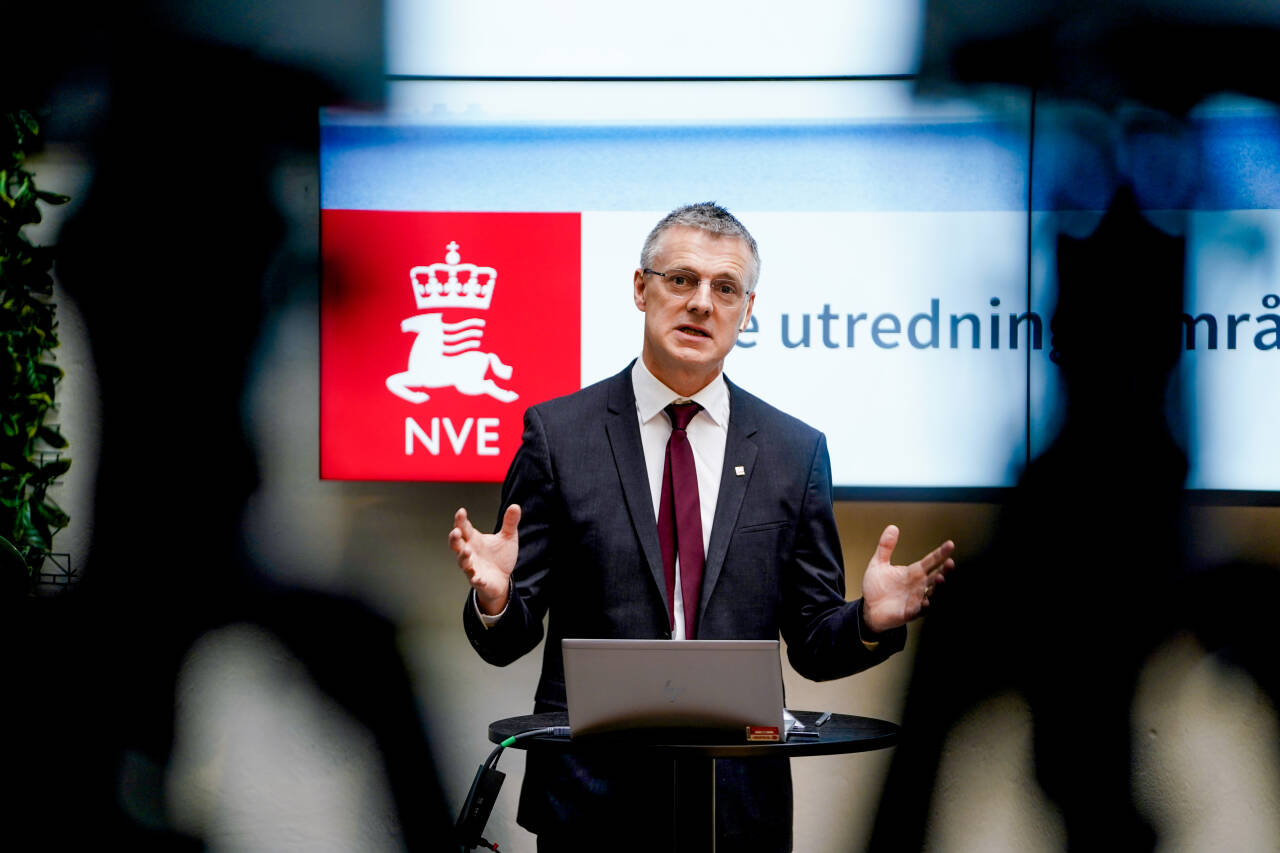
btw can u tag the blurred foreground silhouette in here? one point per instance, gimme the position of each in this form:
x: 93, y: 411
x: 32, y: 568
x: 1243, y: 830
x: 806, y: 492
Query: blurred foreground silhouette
x: 1091, y: 569
x: 185, y: 112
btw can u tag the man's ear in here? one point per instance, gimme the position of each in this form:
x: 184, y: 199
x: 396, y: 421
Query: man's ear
x: 637, y: 286
x: 746, y: 318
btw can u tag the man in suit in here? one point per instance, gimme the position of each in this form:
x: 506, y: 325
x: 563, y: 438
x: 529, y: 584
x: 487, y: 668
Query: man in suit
x: 604, y: 530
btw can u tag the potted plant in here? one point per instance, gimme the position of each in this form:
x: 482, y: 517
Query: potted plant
x: 29, y: 448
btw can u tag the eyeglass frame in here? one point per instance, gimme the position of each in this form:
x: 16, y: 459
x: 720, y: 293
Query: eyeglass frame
x: 742, y: 292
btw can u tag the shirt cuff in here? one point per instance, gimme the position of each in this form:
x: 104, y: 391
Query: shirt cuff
x: 485, y: 619
x: 870, y: 639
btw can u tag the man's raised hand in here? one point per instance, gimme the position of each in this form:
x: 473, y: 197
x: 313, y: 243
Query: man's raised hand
x: 487, y: 559
x: 894, y: 595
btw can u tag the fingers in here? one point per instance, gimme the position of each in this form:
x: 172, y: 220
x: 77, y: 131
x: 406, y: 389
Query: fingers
x: 936, y: 565
x: 462, y: 524
x: 459, y: 537
x: 940, y: 573
x: 939, y: 559
x: 462, y: 549
x: 913, y: 585
x: 462, y: 531
x: 477, y: 551
x: 457, y: 544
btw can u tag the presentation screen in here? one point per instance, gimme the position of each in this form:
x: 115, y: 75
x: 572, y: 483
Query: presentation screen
x: 479, y: 240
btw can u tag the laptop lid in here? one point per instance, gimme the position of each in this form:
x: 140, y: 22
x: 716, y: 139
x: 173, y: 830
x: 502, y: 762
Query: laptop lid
x: 729, y: 686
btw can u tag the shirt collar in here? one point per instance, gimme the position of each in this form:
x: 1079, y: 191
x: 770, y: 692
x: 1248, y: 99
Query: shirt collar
x: 652, y: 396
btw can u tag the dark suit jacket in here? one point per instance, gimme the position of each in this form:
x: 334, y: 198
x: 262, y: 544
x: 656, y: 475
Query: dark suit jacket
x: 589, y: 555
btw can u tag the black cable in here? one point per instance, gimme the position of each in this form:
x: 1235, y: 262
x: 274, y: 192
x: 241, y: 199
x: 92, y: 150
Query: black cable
x: 484, y: 791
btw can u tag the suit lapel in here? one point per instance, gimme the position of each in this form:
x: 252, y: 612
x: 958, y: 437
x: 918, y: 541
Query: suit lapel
x: 739, y: 453
x: 623, y: 430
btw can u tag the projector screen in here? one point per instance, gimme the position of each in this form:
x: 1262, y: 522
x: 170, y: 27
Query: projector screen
x: 892, y: 304
x: 905, y: 292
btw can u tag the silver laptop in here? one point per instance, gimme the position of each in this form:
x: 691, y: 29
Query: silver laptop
x: 730, y: 688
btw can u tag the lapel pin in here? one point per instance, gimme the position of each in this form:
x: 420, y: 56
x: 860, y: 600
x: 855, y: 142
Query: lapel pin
x: 740, y: 471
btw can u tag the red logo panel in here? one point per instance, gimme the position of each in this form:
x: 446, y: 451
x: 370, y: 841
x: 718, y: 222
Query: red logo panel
x: 437, y: 331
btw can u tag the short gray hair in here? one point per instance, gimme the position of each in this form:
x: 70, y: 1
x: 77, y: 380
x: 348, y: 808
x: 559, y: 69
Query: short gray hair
x: 705, y: 216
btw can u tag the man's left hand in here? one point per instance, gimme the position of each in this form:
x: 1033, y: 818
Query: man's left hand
x: 894, y: 595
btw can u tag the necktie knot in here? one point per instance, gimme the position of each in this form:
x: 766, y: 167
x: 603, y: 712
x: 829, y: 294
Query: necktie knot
x: 681, y: 413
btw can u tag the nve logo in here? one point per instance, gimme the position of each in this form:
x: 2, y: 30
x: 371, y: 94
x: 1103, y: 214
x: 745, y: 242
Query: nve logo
x: 447, y: 354
x: 440, y: 394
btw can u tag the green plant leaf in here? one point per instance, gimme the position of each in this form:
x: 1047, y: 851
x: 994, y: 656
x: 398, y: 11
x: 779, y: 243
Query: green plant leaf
x: 37, y: 538
x: 51, y: 471
x: 25, y: 531
x: 52, y: 515
x: 8, y: 553
x: 52, y: 437
x: 28, y: 333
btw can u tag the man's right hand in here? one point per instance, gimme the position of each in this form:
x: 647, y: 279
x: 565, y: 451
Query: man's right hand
x: 487, y: 559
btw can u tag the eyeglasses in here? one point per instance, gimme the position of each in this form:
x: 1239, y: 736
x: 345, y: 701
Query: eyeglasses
x: 726, y: 291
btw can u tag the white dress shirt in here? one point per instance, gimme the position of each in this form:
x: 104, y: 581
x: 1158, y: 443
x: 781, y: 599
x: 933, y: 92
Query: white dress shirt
x: 707, y: 432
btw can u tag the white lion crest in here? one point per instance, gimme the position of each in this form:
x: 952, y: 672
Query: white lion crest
x: 446, y: 355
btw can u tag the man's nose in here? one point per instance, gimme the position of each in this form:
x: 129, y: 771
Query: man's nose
x: 700, y: 299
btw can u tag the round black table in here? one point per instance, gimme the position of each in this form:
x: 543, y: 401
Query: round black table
x: 695, y: 760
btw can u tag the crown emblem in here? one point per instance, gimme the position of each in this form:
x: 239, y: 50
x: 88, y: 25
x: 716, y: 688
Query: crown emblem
x: 452, y: 284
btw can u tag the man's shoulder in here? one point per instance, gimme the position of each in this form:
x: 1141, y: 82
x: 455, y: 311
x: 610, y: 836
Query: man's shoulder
x: 595, y: 397
x: 745, y: 406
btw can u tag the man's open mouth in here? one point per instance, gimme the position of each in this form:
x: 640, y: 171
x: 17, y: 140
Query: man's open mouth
x: 693, y: 330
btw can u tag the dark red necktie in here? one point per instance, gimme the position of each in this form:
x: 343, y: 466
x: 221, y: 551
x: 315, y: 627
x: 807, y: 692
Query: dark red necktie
x: 680, y: 519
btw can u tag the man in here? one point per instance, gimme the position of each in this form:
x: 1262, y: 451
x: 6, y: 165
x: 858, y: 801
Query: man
x: 597, y: 530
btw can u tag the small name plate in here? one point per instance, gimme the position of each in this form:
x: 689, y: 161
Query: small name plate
x: 763, y: 733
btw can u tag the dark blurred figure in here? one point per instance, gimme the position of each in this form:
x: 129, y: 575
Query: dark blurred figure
x: 1067, y: 617
x: 185, y: 110
x: 1089, y: 569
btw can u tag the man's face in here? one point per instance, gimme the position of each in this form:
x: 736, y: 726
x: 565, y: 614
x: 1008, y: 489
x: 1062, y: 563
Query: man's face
x: 688, y: 335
